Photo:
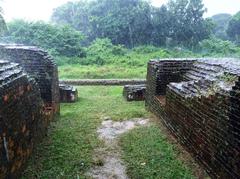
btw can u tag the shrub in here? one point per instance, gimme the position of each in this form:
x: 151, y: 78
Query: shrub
x: 58, y: 40
x: 102, y: 51
x: 145, y: 49
x: 233, y: 28
x: 218, y: 47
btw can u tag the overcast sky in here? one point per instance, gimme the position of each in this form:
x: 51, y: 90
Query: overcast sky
x: 42, y: 9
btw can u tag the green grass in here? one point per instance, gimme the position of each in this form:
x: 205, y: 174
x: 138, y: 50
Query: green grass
x: 130, y: 65
x: 148, y: 154
x: 100, y: 72
x: 66, y: 153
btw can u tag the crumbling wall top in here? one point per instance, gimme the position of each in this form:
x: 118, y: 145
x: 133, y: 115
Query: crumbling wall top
x: 39, y: 65
x: 200, y: 104
x: 230, y: 65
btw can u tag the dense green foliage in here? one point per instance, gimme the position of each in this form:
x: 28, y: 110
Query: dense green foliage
x: 115, y: 61
x: 234, y: 28
x: 105, y: 60
x: 103, y: 52
x: 59, y: 40
x: 220, y: 25
x: 189, y: 27
x: 136, y: 22
x: 3, y: 26
x: 219, y: 48
x: 89, y: 34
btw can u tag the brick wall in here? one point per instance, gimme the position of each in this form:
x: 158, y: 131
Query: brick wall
x: 22, y: 118
x: 202, y: 111
x: 29, y: 100
x: 39, y: 65
x: 159, y: 76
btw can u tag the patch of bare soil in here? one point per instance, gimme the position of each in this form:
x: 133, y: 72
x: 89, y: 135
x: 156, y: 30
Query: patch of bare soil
x: 108, y: 158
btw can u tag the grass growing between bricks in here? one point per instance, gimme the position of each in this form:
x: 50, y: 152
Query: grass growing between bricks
x: 67, y: 150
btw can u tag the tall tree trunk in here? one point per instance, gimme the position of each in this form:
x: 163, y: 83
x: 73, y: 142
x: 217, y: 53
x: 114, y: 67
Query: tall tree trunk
x: 131, y: 36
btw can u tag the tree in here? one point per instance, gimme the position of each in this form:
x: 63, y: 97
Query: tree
x: 74, y: 14
x: 162, y: 23
x: 125, y: 22
x: 220, y: 25
x: 136, y: 22
x: 3, y: 27
x: 188, y: 26
x: 60, y: 40
x: 233, y: 30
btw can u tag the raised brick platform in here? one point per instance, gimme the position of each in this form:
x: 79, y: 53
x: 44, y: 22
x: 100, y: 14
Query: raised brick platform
x: 199, y: 101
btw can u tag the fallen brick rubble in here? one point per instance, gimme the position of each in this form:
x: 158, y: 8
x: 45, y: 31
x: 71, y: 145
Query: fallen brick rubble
x: 199, y: 101
x: 29, y: 101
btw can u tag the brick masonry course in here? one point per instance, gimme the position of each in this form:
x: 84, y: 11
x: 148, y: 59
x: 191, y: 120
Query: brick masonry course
x: 29, y: 100
x: 134, y: 92
x: 40, y: 66
x: 199, y: 101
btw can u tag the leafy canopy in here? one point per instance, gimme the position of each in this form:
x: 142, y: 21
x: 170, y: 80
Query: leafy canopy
x: 3, y: 26
x: 234, y: 28
x: 59, y: 40
x: 220, y: 25
x: 137, y: 22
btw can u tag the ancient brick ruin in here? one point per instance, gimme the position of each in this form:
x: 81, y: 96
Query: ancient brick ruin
x: 68, y: 94
x: 29, y: 101
x: 199, y: 101
x: 40, y: 66
x: 134, y: 92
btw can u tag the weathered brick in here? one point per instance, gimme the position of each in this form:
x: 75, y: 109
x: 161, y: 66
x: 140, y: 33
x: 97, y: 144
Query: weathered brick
x: 201, y: 108
x: 29, y: 100
x: 134, y: 92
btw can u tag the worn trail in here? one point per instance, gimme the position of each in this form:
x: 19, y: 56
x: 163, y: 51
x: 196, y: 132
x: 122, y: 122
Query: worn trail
x: 109, y: 163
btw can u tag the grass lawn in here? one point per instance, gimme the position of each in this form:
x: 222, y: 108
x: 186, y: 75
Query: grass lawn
x: 148, y: 154
x: 67, y: 150
x: 131, y: 65
x: 101, y: 72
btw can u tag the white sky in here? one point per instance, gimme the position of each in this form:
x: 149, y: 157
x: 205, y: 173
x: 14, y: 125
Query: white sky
x: 42, y: 9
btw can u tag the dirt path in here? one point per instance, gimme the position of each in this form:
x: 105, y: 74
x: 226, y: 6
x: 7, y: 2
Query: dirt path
x: 108, y: 158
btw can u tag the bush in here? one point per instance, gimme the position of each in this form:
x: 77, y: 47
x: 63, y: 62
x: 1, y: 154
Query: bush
x: 105, y: 47
x: 102, y: 51
x: 58, y: 40
x: 233, y: 28
x: 145, y: 49
x: 63, y: 60
x: 218, y: 47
